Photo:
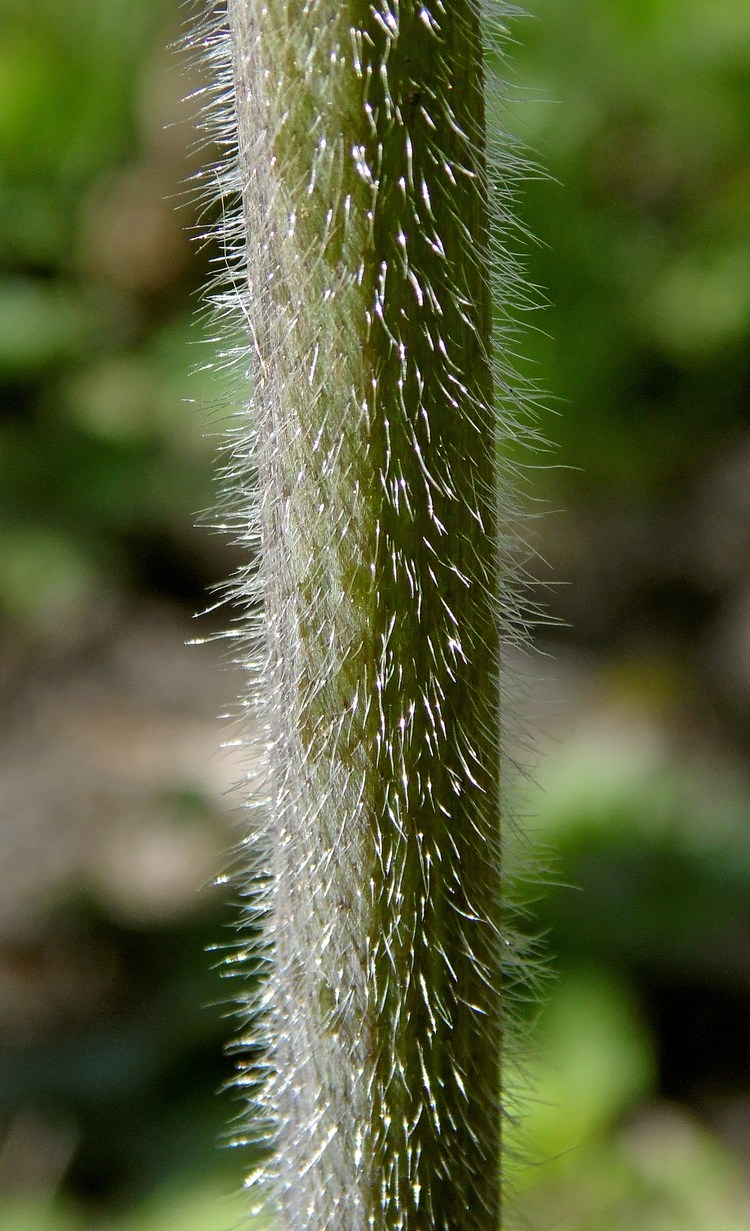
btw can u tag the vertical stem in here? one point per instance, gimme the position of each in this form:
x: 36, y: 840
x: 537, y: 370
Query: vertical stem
x: 362, y: 152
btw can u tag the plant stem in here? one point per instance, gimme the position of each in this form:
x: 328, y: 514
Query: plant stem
x: 363, y: 162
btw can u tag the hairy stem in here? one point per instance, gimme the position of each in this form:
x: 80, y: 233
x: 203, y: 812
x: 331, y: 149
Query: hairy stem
x: 364, y: 180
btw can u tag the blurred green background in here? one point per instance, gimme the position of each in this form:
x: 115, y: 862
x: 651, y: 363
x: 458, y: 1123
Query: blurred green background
x: 116, y: 805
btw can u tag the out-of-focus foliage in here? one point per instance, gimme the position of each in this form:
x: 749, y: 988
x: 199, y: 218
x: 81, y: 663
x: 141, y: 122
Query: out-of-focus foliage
x: 111, y: 1021
x: 640, y: 111
x: 102, y: 464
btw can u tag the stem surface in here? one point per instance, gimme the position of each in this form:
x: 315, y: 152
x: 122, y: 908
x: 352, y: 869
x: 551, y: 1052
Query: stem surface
x: 362, y: 153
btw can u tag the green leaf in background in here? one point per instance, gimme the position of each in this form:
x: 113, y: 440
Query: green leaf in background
x: 41, y: 323
x: 596, y: 1063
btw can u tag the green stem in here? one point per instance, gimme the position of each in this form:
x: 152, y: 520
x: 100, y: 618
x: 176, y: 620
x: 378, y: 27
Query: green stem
x: 362, y: 152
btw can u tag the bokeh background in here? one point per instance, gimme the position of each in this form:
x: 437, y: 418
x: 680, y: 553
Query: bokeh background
x: 117, y: 803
